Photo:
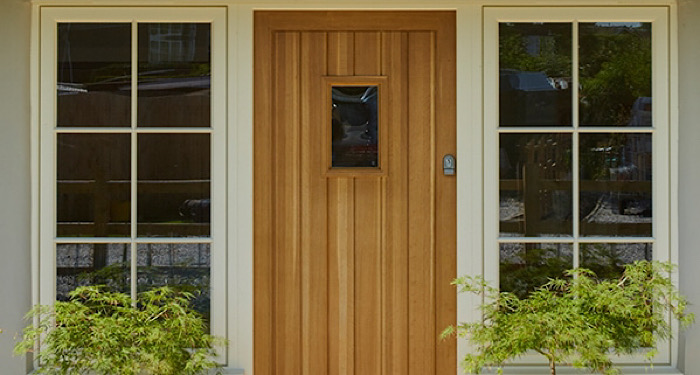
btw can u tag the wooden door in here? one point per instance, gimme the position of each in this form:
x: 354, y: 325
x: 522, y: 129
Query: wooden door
x: 353, y: 265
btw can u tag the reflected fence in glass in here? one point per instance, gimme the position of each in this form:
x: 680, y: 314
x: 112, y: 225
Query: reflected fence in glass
x: 174, y: 81
x: 93, y: 74
x: 93, y: 193
x: 174, y: 187
x: 535, y: 195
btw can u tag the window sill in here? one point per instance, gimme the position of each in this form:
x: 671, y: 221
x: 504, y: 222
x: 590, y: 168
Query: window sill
x: 626, y: 370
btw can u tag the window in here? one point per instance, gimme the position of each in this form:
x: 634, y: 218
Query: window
x: 132, y: 152
x: 576, y: 134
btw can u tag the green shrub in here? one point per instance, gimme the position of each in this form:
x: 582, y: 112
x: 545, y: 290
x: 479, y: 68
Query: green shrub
x: 101, y: 332
x: 579, y: 320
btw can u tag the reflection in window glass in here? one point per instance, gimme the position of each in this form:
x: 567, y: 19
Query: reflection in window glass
x: 354, y: 126
x: 183, y: 267
x: 535, y: 74
x: 615, y: 185
x: 525, y: 267
x: 535, y: 185
x: 92, y: 264
x: 607, y: 260
x: 94, y: 74
x: 174, y: 74
x: 93, y: 185
x: 174, y: 194
x: 615, y: 74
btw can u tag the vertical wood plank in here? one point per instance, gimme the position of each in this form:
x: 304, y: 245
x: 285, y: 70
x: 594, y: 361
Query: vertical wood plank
x: 421, y: 249
x: 395, y: 264
x: 341, y: 284
x: 446, y: 193
x: 368, y: 260
x: 263, y: 196
x: 341, y: 50
x: 341, y: 247
x: 314, y: 255
x: 287, y: 267
x: 368, y: 53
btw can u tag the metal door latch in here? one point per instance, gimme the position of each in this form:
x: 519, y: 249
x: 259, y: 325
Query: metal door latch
x: 449, y: 165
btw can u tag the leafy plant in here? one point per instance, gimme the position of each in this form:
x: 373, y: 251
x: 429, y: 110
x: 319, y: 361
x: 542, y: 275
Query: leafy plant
x: 103, y: 332
x: 578, y: 320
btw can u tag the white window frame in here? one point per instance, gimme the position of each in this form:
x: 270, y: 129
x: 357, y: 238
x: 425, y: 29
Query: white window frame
x: 662, y: 176
x: 46, y: 153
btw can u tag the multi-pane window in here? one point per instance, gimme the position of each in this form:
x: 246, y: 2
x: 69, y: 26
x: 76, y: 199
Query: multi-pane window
x: 576, y: 141
x: 132, y: 153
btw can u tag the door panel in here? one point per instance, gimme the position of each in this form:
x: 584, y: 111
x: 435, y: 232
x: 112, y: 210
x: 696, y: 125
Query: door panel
x: 353, y: 270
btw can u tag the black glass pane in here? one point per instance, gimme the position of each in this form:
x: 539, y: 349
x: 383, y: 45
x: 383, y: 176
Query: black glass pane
x: 93, y: 185
x: 183, y: 267
x: 174, y: 74
x: 615, y: 185
x: 174, y: 185
x: 94, y: 74
x: 535, y: 74
x: 615, y: 74
x: 526, y: 267
x: 607, y: 260
x: 535, y: 196
x: 354, y: 126
x: 92, y: 264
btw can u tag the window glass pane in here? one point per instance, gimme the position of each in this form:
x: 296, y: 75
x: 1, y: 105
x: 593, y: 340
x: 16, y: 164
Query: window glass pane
x: 93, y: 185
x: 173, y: 185
x: 615, y: 185
x: 183, y: 267
x: 354, y: 126
x: 535, y: 74
x: 535, y: 185
x: 92, y: 264
x: 615, y: 73
x: 94, y: 74
x: 607, y: 260
x: 525, y: 267
x: 174, y: 74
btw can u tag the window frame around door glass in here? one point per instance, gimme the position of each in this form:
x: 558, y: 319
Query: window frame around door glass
x: 661, y: 151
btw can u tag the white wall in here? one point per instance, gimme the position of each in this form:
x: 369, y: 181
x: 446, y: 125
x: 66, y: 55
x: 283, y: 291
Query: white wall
x: 689, y: 174
x: 15, y: 288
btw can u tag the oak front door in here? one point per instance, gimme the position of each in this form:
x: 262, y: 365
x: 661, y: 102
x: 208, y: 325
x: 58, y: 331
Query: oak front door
x: 355, y: 218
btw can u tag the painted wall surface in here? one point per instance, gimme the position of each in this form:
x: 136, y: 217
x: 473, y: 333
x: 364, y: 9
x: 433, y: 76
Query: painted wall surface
x: 689, y: 174
x: 15, y: 181
x: 15, y: 263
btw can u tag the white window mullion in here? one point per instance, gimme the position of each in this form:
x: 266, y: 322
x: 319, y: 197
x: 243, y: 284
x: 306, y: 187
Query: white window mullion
x: 134, y: 155
x: 575, y: 175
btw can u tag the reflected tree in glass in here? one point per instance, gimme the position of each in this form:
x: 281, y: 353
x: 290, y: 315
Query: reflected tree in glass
x: 616, y: 190
x: 615, y: 74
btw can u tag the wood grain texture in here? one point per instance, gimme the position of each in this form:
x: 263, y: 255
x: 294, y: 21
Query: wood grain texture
x: 352, y: 271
